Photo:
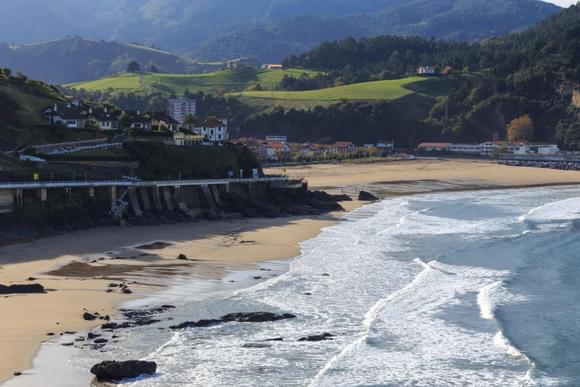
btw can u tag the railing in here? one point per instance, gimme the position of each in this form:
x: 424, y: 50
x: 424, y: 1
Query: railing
x: 133, y: 183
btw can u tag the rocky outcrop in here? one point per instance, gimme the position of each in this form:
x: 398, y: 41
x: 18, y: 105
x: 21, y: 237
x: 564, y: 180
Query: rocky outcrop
x: 252, y: 317
x: 22, y: 289
x: 365, y: 196
x: 113, y: 371
x: 322, y: 337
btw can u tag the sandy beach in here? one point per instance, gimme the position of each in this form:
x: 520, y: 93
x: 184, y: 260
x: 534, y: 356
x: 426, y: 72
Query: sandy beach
x: 77, y: 268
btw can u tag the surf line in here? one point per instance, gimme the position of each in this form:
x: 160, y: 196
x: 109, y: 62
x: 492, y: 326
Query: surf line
x: 370, y: 317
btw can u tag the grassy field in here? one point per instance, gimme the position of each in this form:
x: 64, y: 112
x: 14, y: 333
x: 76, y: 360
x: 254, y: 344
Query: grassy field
x: 220, y: 82
x: 377, y: 90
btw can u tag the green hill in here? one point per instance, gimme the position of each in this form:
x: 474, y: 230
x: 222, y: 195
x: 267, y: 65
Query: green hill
x: 76, y: 59
x: 21, y: 121
x: 218, y: 82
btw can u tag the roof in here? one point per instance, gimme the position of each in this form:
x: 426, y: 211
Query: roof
x: 70, y: 112
x: 100, y: 114
x: 213, y: 123
x: 162, y: 116
x: 434, y: 145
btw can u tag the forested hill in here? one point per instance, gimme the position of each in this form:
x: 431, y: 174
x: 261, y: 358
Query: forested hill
x: 266, y: 29
x: 464, y: 20
x: 535, y: 72
x: 75, y: 59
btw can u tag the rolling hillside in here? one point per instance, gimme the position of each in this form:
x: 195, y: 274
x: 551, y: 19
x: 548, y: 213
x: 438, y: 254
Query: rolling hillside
x: 21, y: 121
x: 76, y: 59
x: 418, y: 92
x: 218, y: 82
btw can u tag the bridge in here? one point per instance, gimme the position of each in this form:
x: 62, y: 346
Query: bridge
x: 135, y: 183
x: 189, y: 196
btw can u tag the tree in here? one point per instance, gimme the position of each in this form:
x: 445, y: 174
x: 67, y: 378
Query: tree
x: 521, y: 129
x: 190, y: 120
x: 133, y: 67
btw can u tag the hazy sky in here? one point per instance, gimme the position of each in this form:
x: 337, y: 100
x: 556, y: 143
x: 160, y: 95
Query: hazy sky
x: 562, y: 3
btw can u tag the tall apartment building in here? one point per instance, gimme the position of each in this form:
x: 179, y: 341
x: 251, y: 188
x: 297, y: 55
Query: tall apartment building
x: 179, y: 108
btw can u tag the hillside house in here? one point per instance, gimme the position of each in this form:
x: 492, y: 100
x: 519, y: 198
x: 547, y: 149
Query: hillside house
x: 138, y: 121
x: 214, y: 130
x: 163, y: 122
x: 426, y: 70
x: 104, y: 119
x: 68, y: 115
x: 272, y: 67
x: 183, y: 139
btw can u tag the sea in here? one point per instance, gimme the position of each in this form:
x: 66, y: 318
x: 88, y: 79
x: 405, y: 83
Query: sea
x: 476, y: 288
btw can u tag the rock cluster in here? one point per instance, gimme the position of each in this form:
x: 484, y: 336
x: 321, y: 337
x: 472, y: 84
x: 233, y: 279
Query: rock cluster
x: 252, y: 317
x: 113, y: 371
x: 22, y: 289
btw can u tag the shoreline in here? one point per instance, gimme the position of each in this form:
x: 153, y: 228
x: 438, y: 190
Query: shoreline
x: 216, y: 247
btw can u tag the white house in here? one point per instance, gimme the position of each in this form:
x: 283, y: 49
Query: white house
x: 69, y: 115
x: 426, y: 70
x: 104, y: 119
x: 214, y: 130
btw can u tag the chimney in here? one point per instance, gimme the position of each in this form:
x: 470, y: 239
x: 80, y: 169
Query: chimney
x: 106, y: 110
x: 55, y: 108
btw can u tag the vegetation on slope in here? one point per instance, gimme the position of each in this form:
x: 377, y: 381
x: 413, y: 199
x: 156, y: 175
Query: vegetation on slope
x: 218, y: 82
x: 76, y: 59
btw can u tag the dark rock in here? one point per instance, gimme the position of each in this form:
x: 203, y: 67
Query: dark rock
x: 322, y: 337
x: 101, y: 341
x: 182, y: 257
x: 92, y: 335
x: 365, y: 196
x: 154, y: 246
x: 275, y: 339
x: 113, y: 285
x: 325, y: 275
x: 342, y: 198
x: 17, y: 374
x: 50, y: 334
x: 67, y: 344
x: 196, y: 324
x: 254, y: 317
x: 127, y: 291
x: 22, y: 289
x: 256, y: 345
x: 69, y: 333
x: 89, y: 316
x: 111, y: 371
x: 307, y: 294
x: 257, y: 277
x: 31, y: 279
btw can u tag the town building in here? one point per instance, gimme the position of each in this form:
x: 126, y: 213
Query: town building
x: 272, y: 67
x: 161, y: 121
x: 180, y: 108
x: 68, y: 115
x: 183, y: 139
x: 214, y: 130
x: 138, y: 121
x: 104, y: 119
x: 277, y: 138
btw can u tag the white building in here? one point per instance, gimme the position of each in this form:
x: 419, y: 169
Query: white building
x: 283, y: 139
x: 426, y: 70
x: 180, y: 108
x: 214, y: 130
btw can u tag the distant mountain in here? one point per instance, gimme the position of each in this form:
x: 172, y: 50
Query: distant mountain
x: 266, y: 29
x: 464, y: 20
x: 75, y: 59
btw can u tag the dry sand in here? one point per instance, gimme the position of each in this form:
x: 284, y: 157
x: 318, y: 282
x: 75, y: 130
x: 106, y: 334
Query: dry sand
x: 65, y: 264
x: 216, y: 247
x: 425, y: 175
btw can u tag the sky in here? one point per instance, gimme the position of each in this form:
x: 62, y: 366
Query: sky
x: 562, y: 3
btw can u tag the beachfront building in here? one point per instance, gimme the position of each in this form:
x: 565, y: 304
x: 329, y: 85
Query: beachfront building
x: 487, y: 149
x: 180, y: 108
